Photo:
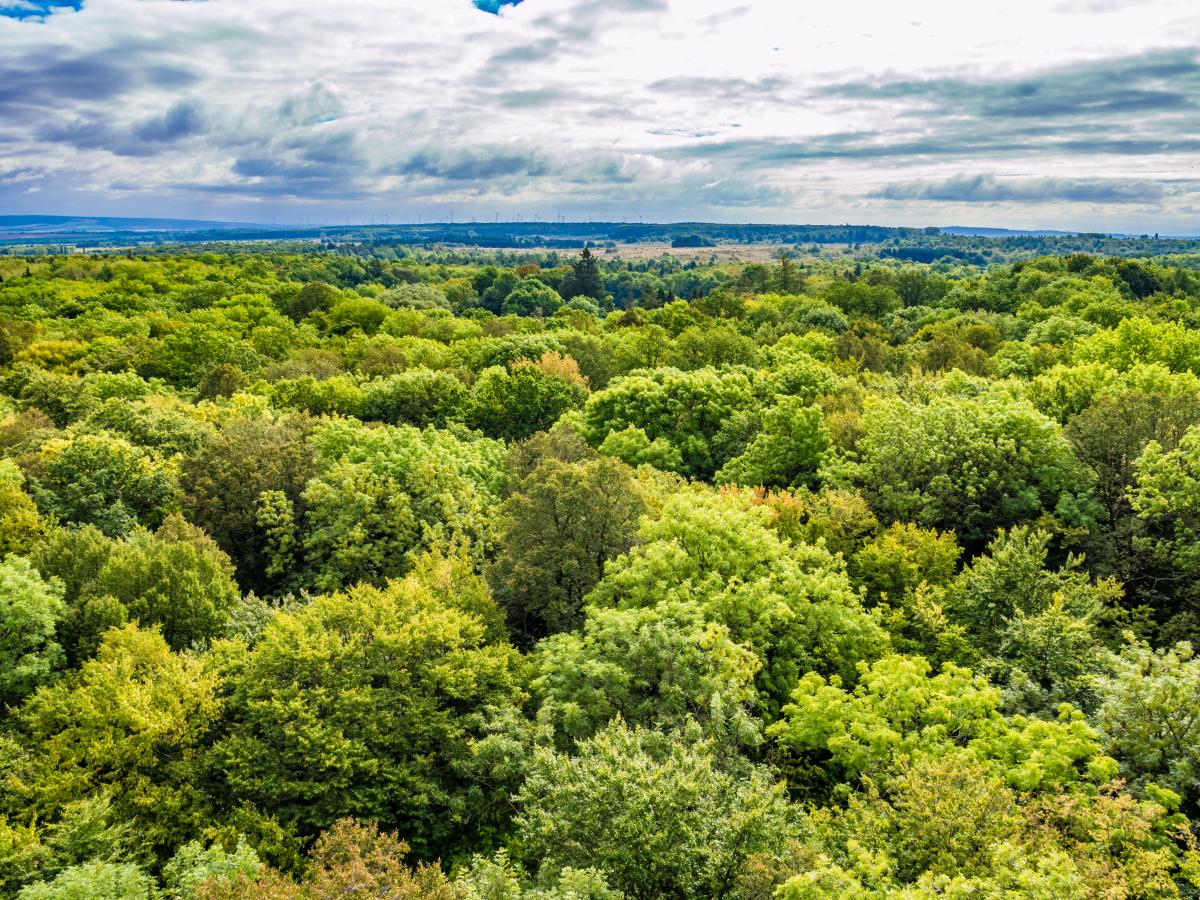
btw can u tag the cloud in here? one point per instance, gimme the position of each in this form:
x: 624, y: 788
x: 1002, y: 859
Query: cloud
x: 184, y: 119
x: 680, y: 110
x: 471, y: 165
x: 991, y: 189
x: 314, y: 106
x: 1142, y: 84
x: 21, y: 175
x: 36, y: 9
x: 727, y: 88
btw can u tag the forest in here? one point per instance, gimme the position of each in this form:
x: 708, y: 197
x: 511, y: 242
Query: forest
x: 465, y: 575
x: 28, y: 235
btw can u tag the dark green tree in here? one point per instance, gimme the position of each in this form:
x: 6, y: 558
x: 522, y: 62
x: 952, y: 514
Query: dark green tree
x: 584, y: 279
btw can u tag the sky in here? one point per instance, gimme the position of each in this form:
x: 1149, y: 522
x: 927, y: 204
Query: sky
x: 1073, y: 114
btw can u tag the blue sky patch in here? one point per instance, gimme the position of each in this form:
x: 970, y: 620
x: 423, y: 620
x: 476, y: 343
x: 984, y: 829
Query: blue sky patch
x: 36, y: 9
x: 493, y: 6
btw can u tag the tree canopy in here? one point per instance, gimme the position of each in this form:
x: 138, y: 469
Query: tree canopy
x: 347, y: 568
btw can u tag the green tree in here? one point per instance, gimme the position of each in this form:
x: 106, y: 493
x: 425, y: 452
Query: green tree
x: 420, y: 397
x: 791, y: 604
x: 381, y: 495
x: 1109, y: 437
x: 556, y: 534
x: 30, y: 610
x: 350, y: 858
x: 653, y: 812
x: 1011, y: 582
x: 358, y: 314
x: 584, y: 279
x: 1166, y: 496
x: 95, y: 881
x: 531, y: 297
x: 786, y: 453
x: 315, y: 296
x: 1148, y: 714
x: 684, y: 409
x: 222, y: 380
x: 971, y: 465
x: 1140, y: 340
x: 104, y: 481
x: 713, y: 345
x: 916, y: 287
x: 499, y: 878
x: 370, y: 703
x: 249, y: 454
x: 20, y: 524
x: 185, y: 356
x: 899, y: 710
x: 893, y: 563
x: 359, y: 525
x: 132, y: 721
x: 515, y: 403
x: 634, y: 448
x: 88, y: 831
x: 662, y: 666
x: 787, y: 279
x: 177, y: 579
x: 425, y: 296
x: 194, y: 865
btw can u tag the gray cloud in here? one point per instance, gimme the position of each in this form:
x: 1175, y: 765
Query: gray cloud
x: 37, y: 79
x: 332, y: 164
x: 990, y: 189
x: 1144, y: 83
x: 21, y: 175
x: 312, y: 107
x: 471, y: 165
x: 725, y: 88
x: 688, y: 108
x: 564, y: 32
x: 537, y: 98
x: 1138, y: 106
x: 184, y: 119
x: 542, y: 50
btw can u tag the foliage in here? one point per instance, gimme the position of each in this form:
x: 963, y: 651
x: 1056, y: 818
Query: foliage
x: 899, y: 710
x: 101, y: 480
x: 30, y: 610
x: 1148, y: 714
x: 967, y: 464
x: 685, y: 409
x: 659, y: 818
x: 513, y: 404
x: 95, y: 881
x: 595, y: 575
x: 368, y: 703
x: 786, y: 452
x: 557, y: 533
x: 20, y: 524
x: 350, y: 858
x: 661, y: 666
x: 791, y: 605
x: 194, y: 865
x: 132, y: 720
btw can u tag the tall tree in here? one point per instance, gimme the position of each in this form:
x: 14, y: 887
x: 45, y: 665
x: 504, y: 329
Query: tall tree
x: 584, y: 279
x: 557, y: 533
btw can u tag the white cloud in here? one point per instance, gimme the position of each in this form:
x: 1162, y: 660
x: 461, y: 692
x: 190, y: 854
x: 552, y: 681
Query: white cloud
x: 671, y: 109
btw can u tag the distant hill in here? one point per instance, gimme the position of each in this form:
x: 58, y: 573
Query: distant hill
x: 957, y: 243
x: 30, y: 225
x: 971, y: 231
